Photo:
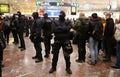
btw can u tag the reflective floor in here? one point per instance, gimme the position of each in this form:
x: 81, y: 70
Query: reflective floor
x: 20, y: 64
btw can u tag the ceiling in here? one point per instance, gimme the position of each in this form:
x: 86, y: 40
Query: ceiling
x: 29, y: 6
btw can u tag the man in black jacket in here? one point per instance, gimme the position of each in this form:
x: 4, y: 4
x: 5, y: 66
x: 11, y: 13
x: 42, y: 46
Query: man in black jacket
x: 20, y: 29
x: 61, y: 29
x: 108, y: 35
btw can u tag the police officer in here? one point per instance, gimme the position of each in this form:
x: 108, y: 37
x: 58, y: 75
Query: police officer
x: 61, y: 29
x: 36, y: 37
x: 47, y: 33
x: 20, y: 29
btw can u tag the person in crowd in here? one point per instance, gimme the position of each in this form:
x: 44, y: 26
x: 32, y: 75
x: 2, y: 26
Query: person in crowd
x: 95, y: 31
x: 26, y: 27
x: 20, y: 29
x: 108, y: 37
x: 81, y: 27
x: 2, y: 44
x: 61, y: 30
x: 6, y: 28
x: 30, y: 21
x: 47, y: 34
x: 117, y: 37
x: 13, y: 25
x: 102, y: 40
x: 35, y: 36
x: 73, y: 21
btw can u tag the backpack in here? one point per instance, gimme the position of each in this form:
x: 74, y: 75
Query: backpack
x: 84, y: 25
x: 97, y: 31
x: 83, y: 28
x: 6, y: 24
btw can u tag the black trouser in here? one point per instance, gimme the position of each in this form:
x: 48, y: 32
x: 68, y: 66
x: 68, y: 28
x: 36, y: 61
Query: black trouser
x: 57, y: 45
x: 0, y: 71
x: 1, y: 59
x: 22, y: 42
x: 27, y: 31
x: 81, y: 49
x: 1, y: 54
x: 7, y: 33
x: 108, y: 47
x: 47, y: 44
x: 38, y: 49
x: 15, y: 36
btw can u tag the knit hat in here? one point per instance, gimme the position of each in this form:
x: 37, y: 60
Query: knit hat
x: 94, y: 15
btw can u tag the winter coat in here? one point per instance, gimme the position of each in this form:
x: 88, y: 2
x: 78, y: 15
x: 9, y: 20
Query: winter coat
x: 109, y: 28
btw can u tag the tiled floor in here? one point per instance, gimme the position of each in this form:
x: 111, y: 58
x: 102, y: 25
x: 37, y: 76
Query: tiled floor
x: 20, y: 64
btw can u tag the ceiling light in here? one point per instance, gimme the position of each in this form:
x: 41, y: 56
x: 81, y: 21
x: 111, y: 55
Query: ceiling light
x: 26, y: 0
x: 16, y: 1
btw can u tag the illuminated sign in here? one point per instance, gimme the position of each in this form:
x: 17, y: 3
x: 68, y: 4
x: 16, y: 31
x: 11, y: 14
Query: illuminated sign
x: 4, y: 8
x: 73, y: 10
x: 53, y: 13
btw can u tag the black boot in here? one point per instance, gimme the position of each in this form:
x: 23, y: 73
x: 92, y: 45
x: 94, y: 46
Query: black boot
x: 34, y: 57
x: 38, y: 60
x: 52, y: 70
x: 46, y: 56
x: 68, y: 70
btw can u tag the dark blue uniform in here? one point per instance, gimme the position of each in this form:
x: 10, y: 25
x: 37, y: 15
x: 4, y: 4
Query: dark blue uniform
x: 47, y: 33
x: 36, y: 37
x: 61, y: 30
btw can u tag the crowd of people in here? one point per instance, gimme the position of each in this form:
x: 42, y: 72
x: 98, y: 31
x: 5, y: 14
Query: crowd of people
x: 98, y: 32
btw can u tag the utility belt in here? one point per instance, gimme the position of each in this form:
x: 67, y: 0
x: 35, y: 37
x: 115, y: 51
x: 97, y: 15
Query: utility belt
x: 66, y: 45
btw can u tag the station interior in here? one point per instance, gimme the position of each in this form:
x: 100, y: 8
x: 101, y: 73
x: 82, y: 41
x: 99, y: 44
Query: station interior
x: 20, y: 63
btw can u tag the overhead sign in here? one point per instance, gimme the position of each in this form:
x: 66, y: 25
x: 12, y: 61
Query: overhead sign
x: 4, y: 8
x: 73, y: 10
x: 52, y: 13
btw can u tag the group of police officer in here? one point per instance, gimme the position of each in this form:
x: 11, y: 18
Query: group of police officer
x: 43, y: 29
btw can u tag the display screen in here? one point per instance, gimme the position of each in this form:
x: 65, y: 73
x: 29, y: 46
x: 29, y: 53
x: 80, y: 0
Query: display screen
x: 73, y: 10
x: 4, y: 8
x: 52, y: 13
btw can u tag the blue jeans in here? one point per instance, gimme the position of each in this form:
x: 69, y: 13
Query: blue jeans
x: 118, y: 55
x: 93, y: 49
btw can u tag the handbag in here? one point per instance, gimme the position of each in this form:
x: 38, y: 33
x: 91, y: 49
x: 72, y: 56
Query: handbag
x: 117, y: 34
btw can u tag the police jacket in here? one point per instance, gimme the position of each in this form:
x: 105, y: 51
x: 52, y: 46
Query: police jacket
x: 61, y: 29
x: 21, y: 23
x: 47, y: 27
x: 36, y: 27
